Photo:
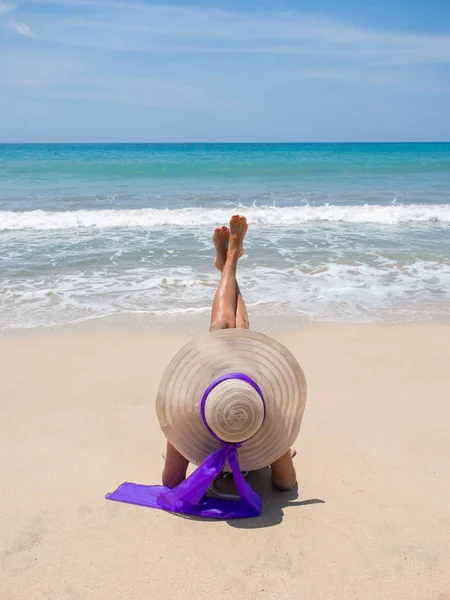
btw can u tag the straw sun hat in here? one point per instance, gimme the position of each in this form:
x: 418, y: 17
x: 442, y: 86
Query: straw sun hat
x: 235, y: 386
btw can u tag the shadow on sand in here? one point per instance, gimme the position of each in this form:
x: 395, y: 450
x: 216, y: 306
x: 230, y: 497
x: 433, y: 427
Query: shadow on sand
x: 273, y: 501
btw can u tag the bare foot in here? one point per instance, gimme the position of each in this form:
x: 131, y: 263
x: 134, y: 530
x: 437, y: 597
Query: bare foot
x: 238, y: 229
x: 221, y: 239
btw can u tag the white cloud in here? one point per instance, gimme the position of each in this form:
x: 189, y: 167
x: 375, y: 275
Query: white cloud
x: 273, y: 75
x: 20, y: 28
x: 147, y: 27
x: 67, y: 78
x: 6, y: 7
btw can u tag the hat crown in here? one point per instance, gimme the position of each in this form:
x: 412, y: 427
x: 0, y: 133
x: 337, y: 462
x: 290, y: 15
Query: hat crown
x: 234, y: 411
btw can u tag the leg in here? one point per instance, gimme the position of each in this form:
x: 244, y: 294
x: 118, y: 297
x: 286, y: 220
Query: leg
x: 175, y: 467
x: 284, y: 477
x: 229, y: 310
x: 221, y: 240
x: 223, y: 316
x: 225, y: 301
x: 242, y: 321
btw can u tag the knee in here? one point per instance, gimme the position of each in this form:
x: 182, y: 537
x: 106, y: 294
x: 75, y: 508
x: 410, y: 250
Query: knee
x: 220, y: 324
x: 224, y: 322
x: 242, y: 323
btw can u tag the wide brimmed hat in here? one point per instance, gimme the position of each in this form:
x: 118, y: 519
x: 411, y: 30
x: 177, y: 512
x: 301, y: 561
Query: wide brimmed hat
x: 232, y: 386
x: 232, y: 399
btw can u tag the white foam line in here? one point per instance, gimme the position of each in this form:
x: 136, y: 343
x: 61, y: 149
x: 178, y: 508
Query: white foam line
x: 265, y: 216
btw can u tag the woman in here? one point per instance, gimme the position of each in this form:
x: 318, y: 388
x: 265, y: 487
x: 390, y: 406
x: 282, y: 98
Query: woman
x: 228, y: 311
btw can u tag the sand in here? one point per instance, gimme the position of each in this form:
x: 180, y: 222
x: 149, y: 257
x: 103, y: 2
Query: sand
x: 370, y: 519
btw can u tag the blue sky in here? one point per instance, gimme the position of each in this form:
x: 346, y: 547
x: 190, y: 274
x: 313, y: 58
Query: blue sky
x: 281, y: 70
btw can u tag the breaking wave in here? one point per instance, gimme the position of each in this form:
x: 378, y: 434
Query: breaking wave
x: 264, y: 216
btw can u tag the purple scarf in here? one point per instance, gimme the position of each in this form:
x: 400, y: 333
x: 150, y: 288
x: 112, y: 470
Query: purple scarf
x: 189, y: 497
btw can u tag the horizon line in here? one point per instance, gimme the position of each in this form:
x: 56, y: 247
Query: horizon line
x: 218, y: 143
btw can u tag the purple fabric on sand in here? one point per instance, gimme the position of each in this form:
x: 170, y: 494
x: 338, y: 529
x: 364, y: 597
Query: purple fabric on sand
x: 189, y: 497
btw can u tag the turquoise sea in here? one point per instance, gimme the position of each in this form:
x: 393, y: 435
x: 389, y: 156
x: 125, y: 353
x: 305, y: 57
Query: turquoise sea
x: 337, y: 232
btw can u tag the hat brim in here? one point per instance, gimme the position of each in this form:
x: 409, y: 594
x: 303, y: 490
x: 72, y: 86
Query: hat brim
x: 202, y: 361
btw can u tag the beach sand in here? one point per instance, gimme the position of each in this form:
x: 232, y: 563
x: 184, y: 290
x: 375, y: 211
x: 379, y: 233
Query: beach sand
x: 370, y: 520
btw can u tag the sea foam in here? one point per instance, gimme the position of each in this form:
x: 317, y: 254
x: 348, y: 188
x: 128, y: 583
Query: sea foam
x: 386, y: 292
x: 264, y: 216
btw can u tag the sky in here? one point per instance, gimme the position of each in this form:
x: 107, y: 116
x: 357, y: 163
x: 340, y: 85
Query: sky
x: 225, y: 71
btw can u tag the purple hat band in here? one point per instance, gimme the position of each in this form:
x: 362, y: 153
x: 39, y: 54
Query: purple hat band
x: 215, y: 383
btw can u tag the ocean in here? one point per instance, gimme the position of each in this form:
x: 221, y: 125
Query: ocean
x: 337, y: 232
